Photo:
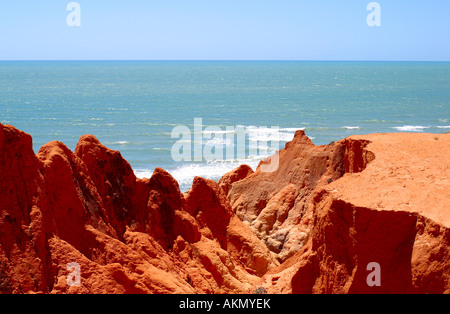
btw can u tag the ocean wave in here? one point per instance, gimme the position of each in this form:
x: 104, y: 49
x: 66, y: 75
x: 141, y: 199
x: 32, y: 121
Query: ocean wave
x: 253, y: 134
x: 292, y: 129
x: 265, y: 134
x: 117, y: 143
x: 213, y: 170
x: 444, y: 127
x: 351, y: 127
x: 117, y: 109
x: 217, y: 141
x: 209, y: 132
x: 411, y: 128
x: 143, y: 173
x: 375, y: 121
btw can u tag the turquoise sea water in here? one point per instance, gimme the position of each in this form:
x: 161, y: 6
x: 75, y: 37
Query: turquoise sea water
x: 134, y: 106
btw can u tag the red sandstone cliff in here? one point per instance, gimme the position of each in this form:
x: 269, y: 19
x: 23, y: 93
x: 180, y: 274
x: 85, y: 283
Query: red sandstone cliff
x: 387, y: 203
x: 312, y: 226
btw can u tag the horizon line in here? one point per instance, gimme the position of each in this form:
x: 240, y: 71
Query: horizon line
x: 214, y: 60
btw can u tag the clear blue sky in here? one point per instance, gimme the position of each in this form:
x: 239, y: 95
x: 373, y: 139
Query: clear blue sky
x: 225, y: 30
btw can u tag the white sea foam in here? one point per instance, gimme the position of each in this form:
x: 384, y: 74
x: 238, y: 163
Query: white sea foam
x: 217, y: 141
x: 291, y: 130
x: 118, y: 109
x: 143, y: 173
x: 209, y: 132
x: 444, y: 127
x: 118, y: 143
x: 265, y: 134
x: 351, y: 127
x: 211, y: 170
x: 253, y: 135
x: 214, y: 170
x: 411, y: 128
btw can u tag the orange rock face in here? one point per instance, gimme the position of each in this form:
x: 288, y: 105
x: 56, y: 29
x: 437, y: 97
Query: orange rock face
x: 127, y: 235
x: 231, y: 177
x: 277, y: 204
x: 313, y: 225
x: 389, y: 208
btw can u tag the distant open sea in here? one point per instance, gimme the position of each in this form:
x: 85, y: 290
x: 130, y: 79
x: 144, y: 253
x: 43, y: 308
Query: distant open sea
x: 133, y: 106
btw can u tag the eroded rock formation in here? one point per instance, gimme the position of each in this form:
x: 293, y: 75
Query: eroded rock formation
x: 128, y: 235
x: 311, y: 225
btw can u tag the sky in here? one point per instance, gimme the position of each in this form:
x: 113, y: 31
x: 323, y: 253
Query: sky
x: 411, y: 30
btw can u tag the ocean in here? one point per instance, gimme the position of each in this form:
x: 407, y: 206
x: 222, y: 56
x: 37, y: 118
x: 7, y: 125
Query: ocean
x: 135, y: 106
